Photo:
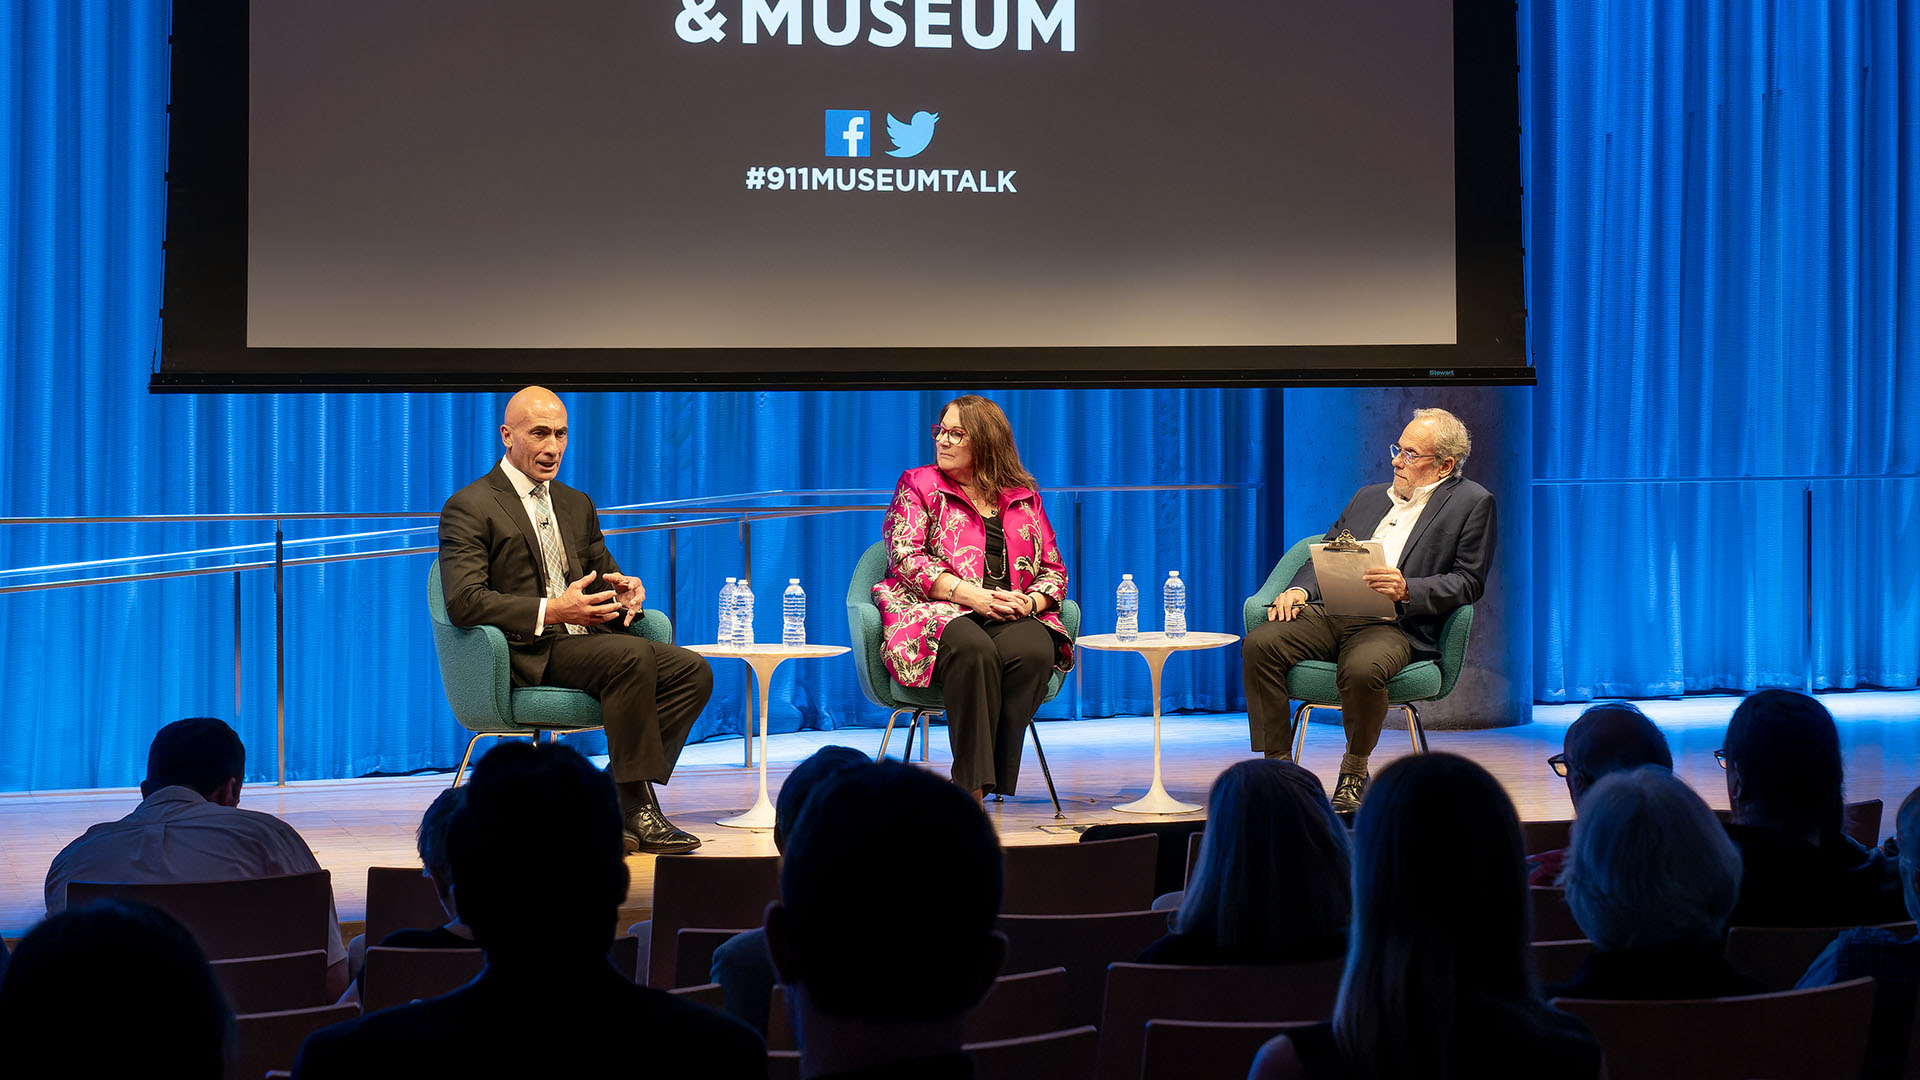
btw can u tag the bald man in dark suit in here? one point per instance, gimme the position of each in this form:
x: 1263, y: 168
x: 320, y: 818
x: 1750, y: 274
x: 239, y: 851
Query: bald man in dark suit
x: 520, y: 551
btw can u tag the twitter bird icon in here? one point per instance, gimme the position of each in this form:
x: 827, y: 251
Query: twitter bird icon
x: 910, y: 139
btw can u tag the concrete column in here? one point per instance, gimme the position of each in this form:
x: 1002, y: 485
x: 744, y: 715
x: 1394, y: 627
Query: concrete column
x: 1336, y: 442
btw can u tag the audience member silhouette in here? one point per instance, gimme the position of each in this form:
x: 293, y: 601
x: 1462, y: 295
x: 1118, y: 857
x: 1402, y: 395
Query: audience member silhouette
x: 872, y: 1005
x: 1606, y: 738
x: 1784, y: 780
x: 1651, y: 878
x: 1439, y: 978
x: 431, y: 842
x: 741, y: 964
x: 539, y: 873
x: 189, y: 827
x: 1891, y: 958
x: 1272, y: 885
x: 114, y: 989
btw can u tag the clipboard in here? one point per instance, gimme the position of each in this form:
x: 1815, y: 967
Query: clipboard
x: 1340, y: 568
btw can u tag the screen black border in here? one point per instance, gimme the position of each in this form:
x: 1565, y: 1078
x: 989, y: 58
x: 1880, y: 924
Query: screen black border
x: 203, y: 319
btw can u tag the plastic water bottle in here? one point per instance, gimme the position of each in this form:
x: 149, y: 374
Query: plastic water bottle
x: 1173, y: 596
x: 1126, y: 600
x: 727, y: 614
x: 793, y: 609
x: 743, y: 630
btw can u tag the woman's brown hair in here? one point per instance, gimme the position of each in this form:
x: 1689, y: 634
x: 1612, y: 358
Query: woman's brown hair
x: 996, y: 464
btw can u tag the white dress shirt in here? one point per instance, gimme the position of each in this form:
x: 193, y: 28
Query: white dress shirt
x: 523, y: 486
x: 1397, y: 525
x: 175, y: 834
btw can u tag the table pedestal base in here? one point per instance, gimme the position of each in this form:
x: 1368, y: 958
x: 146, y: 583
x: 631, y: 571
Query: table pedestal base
x: 1157, y: 801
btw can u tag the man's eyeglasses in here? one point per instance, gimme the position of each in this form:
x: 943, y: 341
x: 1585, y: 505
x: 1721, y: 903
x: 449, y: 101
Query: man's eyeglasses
x: 1396, y: 452
x: 1721, y: 757
x: 1558, y: 763
x: 952, y: 436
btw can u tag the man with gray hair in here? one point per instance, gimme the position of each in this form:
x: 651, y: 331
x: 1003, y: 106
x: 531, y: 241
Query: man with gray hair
x: 1438, y: 529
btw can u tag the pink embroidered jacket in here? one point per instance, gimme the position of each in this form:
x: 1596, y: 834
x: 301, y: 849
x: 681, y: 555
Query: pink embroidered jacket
x: 931, y: 528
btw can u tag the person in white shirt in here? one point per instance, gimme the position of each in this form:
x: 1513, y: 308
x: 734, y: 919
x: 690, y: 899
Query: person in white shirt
x: 1438, y: 529
x: 189, y: 827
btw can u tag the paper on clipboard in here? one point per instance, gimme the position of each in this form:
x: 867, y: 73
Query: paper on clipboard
x: 1340, y: 570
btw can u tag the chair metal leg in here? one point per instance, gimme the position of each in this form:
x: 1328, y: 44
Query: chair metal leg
x: 887, y: 734
x: 1414, y: 731
x: 1300, y: 717
x: 477, y: 736
x: 906, y: 752
x: 1034, y: 730
x: 926, y: 737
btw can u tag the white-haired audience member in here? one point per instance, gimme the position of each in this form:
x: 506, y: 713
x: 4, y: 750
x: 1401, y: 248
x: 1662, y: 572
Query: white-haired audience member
x: 1892, y: 960
x: 1651, y: 878
x: 1439, y: 979
x: 1273, y: 883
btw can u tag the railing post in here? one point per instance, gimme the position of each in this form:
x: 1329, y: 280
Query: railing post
x: 237, y: 626
x: 280, y: 648
x: 1073, y: 586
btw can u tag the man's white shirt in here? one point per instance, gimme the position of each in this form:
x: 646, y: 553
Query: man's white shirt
x: 1397, y: 525
x: 175, y: 834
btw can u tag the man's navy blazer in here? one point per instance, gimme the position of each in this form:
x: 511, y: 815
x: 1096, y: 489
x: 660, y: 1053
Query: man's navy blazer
x: 1445, y: 561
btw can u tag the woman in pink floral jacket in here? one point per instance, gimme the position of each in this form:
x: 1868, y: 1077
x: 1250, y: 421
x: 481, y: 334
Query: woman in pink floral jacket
x: 973, y: 590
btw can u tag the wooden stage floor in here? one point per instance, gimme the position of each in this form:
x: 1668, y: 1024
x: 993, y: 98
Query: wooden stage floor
x: 353, y: 824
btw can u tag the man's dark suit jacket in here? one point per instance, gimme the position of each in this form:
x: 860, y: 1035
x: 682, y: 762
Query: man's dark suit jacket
x: 490, y: 563
x: 1445, y: 561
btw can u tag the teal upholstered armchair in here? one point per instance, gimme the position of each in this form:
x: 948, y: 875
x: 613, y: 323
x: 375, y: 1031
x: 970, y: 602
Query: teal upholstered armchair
x: 863, y: 624
x: 1311, y: 682
x: 479, y: 680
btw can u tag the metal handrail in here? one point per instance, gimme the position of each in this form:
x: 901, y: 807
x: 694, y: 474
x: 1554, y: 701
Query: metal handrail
x: 719, y: 510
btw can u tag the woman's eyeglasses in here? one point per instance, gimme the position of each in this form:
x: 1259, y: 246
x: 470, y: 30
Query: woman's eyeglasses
x: 951, y: 436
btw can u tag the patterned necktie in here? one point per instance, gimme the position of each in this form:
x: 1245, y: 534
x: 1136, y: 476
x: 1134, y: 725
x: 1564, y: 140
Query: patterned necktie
x: 556, y: 563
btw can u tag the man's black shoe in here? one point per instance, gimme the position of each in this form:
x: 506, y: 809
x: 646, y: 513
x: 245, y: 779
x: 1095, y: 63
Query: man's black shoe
x: 1347, y: 791
x: 648, y: 831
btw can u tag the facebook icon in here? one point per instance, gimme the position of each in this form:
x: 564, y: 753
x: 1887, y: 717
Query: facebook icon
x: 849, y: 133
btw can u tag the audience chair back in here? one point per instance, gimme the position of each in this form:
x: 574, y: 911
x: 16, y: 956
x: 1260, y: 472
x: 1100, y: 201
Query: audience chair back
x: 1080, y: 879
x: 476, y: 673
x: 694, y: 947
x: 1313, y: 683
x: 1538, y: 836
x: 248, y: 917
x: 257, y: 984
x: 1912, y: 1071
x: 397, y: 976
x: 1552, y: 920
x: 708, y: 994
x: 1861, y: 820
x: 1556, y: 962
x: 1776, y: 956
x: 1794, y: 1035
x: 1055, y: 1054
x: 1016, y: 1006
x: 400, y: 898
x: 1207, y: 1050
x: 1137, y: 993
x: 1084, y: 945
x: 271, y: 1040
x: 705, y: 890
x: 1193, y: 857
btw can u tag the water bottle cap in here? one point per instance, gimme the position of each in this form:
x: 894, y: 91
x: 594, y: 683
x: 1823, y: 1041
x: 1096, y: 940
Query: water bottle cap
x: 793, y: 581
x: 1126, y: 577
x: 732, y: 580
x: 1173, y: 573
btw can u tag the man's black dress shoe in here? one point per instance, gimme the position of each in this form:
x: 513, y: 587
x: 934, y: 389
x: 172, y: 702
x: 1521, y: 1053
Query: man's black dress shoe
x: 648, y: 831
x: 1347, y: 791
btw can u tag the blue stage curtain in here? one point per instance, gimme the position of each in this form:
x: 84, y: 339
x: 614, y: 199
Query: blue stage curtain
x: 93, y: 672
x: 1724, y: 268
